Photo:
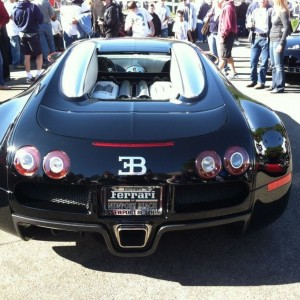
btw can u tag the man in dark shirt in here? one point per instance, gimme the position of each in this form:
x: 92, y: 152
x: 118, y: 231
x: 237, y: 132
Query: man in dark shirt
x: 110, y: 20
x: 202, y: 11
x: 27, y: 16
x: 98, y: 10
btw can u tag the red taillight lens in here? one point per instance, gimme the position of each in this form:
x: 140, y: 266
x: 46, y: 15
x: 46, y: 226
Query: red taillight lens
x: 208, y: 164
x: 236, y: 160
x: 56, y: 164
x: 27, y: 160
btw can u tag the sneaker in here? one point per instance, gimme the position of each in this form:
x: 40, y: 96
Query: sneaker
x: 252, y: 84
x: 269, y: 89
x: 259, y: 86
x: 30, y: 80
x: 275, y: 91
x: 233, y: 76
x: 5, y: 87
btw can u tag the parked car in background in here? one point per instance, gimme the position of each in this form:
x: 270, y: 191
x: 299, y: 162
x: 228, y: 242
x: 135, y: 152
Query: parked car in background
x: 292, y: 54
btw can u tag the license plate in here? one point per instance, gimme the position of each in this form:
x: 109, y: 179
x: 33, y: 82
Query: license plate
x: 133, y: 200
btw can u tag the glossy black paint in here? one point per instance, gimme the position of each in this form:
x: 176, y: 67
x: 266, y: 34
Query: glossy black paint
x: 292, y: 54
x: 220, y: 118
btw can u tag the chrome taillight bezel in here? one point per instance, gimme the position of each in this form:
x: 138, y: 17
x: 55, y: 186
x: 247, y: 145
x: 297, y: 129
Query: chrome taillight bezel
x: 215, y: 168
x: 27, y: 153
x: 51, y: 167
x: 241, y: 154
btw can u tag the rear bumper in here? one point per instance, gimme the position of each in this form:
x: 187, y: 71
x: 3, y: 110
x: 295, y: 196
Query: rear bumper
x: 111, y: 239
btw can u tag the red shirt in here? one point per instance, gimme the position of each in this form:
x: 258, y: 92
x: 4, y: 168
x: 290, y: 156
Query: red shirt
x: 4, y: 17
x: 227, y: 19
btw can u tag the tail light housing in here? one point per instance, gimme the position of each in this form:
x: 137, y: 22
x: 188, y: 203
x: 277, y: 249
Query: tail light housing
x: 56, y: 164
x: 27, y: 161
x: 208, y: 164
x: 236, y: 160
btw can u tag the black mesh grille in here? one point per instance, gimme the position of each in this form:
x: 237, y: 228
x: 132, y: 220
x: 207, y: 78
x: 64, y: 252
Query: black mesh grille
x: 71, y: 198
x: 192, y: 198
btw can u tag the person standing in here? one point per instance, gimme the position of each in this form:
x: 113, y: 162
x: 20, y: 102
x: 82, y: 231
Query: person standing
x: 13, y: 33
x: 110, y: 21
x: 98, y: 9
x: 260, y: 25
x: 213, y: 14
x: 202, y: 9
x: 190, y: 16
x: 139, y: 21
x: 57, y: 32
x: 28, y: 17
x: 227, y: 33
x: 45, y: 29
x: 280, y: 29
x: 155, y: 19
x: 4, y: 18
x: 180, y: 27
x: 163, y: 12
x: 69, y: 15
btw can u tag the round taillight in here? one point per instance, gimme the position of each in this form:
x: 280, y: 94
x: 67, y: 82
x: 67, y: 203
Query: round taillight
x: 236, y: 160
x: 208, y: 164
x: 56, y: 164
x: 27, y: 160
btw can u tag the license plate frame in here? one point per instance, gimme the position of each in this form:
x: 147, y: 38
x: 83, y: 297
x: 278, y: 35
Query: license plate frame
x: 133, y: 200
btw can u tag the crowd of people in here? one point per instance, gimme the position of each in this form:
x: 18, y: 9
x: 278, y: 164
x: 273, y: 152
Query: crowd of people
x: 37, y: 28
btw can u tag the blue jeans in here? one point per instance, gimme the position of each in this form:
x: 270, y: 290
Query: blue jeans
x: 165, y: 32
x: 17, y: 57
x: 213, y: 41
x: 69, y: 39
x: 47, y: 41
x: 201, y: 37
x: 259, y: 48
x: 278, y: 75
x: 2, y: 82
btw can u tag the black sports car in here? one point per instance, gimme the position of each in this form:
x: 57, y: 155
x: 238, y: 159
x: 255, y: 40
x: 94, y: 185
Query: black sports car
x: 292, y: 54
x: 131, y: 138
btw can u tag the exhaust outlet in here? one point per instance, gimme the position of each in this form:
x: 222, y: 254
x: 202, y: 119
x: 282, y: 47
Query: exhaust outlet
x: 132, y: 235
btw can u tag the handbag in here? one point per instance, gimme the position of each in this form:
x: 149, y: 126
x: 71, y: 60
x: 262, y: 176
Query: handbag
x: 205, y: 28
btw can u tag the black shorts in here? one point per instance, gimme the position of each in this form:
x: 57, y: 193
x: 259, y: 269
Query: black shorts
x: 226, y: 46
x: 31, y: 45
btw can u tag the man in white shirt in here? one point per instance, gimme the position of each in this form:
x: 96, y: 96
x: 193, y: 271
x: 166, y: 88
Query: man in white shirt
x: 13, y: 33
x: 259, y: 21
x: 69, y: 15
x: 139, y: 21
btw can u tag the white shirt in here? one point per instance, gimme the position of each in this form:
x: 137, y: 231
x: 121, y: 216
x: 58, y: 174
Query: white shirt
x: 163, y: 12
x: 67, y: 14
x: 181, y: 28
x: 138, y: 20
x: 260, y: 18
x: 11, y: 27
x: 56, y: 27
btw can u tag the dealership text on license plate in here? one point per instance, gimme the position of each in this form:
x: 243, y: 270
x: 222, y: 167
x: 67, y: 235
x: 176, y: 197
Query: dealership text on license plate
x: 133, y: 200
